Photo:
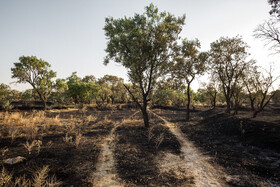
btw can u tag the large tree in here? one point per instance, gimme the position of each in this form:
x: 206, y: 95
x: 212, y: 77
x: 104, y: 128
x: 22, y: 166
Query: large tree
x: 37, y: 73
x: 188, y: 64
x: 228, y: 62
x: 144, y: 45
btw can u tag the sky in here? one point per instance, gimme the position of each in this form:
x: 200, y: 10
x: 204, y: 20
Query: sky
x: 69, y: 33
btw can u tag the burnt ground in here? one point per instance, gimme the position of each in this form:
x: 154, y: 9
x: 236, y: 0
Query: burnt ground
x: 72, y: 165
x: 135, y: 156
x: 248, y: 149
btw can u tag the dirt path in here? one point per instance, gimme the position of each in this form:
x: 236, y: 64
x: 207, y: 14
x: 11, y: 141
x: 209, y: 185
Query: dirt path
x: 191, y: 160
x: 105, y: 174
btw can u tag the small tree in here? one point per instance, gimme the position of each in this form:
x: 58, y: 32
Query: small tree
x: 262, y: 85
x: 6, y: 96
x: 115, y: 84
x: 189, y: 64
x: 81, y: 92
x: 60, y: 91
x: 37, y: 73
x: 144, y: 45
x: 250, y: 83
x: 228, y: 62
x: 212, y: 89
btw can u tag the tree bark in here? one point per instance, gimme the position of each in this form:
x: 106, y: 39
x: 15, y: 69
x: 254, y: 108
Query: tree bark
x: 188, y: 104
x: 255, y: 114
x: 45, y: 105
x: 228, y: 105
x: 252, y: 104
x: 145, y: 116
x: 214, y: 101
x: 142, y: 108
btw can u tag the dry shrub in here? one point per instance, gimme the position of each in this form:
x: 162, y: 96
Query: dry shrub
x: 106, y: 120
x: 5, y: 177
x: 22, y: 181
x: 67, y: 138
x: 91, y: 118
x: 40, y: 176
x: 78, y: 139
x: 13, y: 132
x: 159, y: 140
x: 33, y: 144
x: 150, y: 134
x: 52, y: 182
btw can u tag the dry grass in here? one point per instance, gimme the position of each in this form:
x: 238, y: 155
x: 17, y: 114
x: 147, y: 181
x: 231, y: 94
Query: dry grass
x: 36, y: 124
x: 78, y: 139
x: 5, y: 177
x: 40, y: 178
x: 159, y: 140
x: 33, y: 144
x: 67, y: 138
x: 131, y: 121
x: 150, y: 134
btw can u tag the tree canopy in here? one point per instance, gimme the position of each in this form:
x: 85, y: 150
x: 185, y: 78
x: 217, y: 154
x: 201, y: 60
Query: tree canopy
x: 37, y: 73
x: 144, y: 45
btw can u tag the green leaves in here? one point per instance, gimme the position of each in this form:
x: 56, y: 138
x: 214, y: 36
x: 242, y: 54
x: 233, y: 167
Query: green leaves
x: 37, y: 73
x: 143, y: 44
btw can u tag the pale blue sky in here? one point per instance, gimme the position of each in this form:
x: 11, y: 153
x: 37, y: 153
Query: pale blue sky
x: 69, y: 33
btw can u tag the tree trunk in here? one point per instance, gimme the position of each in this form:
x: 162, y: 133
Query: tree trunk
x: 252, y: 104
x: 214, y: 102
x: 145, y: 117
x: 228, y: 105
x: 45, y: 105
x: 255, y: 113
x: 236, y: 107
x: 143, y: 108
x: 188, y: 104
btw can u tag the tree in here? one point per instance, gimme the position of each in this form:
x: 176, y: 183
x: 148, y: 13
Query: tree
x: 28, y: 95
x: 60, y: 91
x: 188, y: 64
x: 115, y: 84
x: 275, y: 7
x: 89, y: 78
x: 5, y: 96
x: 37, y: 73
x: 250, y: 83
x: 269, y: 32
x: 228, y: 62
x: 212, y: 89
x: 144, y: 45
x: 81, y: 92
x: 261, y: 84
x: 276, y: 98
